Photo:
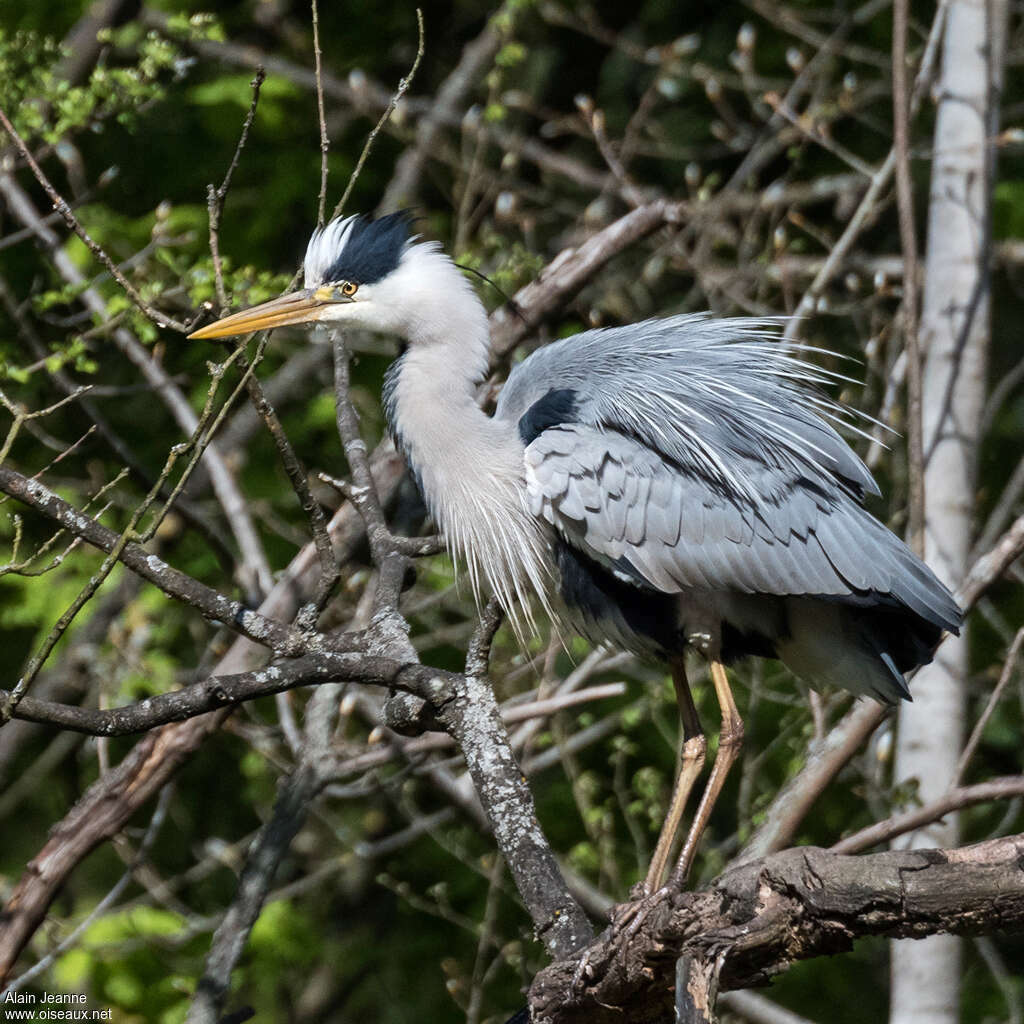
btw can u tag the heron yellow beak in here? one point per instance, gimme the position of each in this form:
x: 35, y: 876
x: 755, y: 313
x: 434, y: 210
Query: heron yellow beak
x: 294, y: 308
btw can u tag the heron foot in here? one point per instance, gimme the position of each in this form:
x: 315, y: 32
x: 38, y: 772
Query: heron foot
x: 625, y: 920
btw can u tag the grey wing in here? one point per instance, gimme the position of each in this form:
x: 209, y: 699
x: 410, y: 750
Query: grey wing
x: 668, y: 527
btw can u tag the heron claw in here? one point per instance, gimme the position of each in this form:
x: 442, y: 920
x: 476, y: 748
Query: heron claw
x: 625, y: 920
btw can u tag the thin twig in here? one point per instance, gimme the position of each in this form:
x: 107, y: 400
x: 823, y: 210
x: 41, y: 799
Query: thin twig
x: 362, y: 492
x: 329, y: 570
x: 210, y: 603
x: 908, y: 240
x: 325, y: 146
x: 403, y: 88
x: 869, y: 202
x: 485, y: 939
x: 254, y: 571
x: 196, y: 446
x: 956, y: 798
x: 446, y: 103
x: 979, y: 727
x: 215, y: 197
x: 125, y: 453
x: 62, y: 207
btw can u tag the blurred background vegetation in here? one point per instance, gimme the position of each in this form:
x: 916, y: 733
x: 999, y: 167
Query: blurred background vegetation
x: 379, y: 909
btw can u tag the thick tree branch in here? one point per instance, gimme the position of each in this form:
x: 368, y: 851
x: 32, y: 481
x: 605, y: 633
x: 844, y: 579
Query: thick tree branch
x: 473, y: 719
x: 227, y: 691
x: 757, y: 919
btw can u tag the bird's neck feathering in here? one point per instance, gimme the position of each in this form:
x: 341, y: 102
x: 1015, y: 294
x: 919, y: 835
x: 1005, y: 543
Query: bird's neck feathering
x: 469, y: 466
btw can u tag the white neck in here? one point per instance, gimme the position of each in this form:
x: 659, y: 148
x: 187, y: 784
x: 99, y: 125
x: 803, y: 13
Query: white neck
x: 470, y: 467
x: 432, y: 389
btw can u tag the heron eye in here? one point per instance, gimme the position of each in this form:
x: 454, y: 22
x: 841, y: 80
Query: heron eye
x: 348, y: 289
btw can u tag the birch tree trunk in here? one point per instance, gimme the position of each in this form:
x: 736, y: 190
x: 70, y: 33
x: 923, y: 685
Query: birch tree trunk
x: 954, y: 338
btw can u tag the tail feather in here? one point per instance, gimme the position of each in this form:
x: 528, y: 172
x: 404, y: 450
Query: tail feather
x: 912, y: 584
x: 862, y: 648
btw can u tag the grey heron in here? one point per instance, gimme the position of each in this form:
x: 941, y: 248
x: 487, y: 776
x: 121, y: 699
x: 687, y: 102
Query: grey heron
x: 671, y: 484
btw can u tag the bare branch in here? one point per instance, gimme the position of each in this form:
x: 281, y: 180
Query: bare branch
x: 330, y: 571
x: 795, y: 799
x: 111, y: 802
x: 572, y: 268
x: 61, y: 206
x: 214, y: 606
x: 403, y: 88
x: 295, y: 797
x: 757, y: 919
x: 255, y: 572
x: 908, y: 238
x: 472, y: 717
x: 994, y: 697
x: 215, y: 196
x: 991, y: 566
x: 69, y: 941
x: 325, y: 146
x: 475, y: 60
x: 198, y: 699
x: 955, y: 798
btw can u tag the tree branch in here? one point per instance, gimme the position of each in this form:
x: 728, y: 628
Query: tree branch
x: 472, y: 717
x: 109, y: 804
x: 62, y: 207
x: 210, y: 603
x: 757, y: 919
x: 571, y: 269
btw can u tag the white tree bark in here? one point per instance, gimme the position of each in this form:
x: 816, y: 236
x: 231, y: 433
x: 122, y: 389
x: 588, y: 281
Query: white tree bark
x: 954, y: 339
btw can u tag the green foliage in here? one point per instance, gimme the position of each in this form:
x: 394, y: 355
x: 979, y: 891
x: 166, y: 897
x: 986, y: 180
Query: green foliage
x: 284, y: 936
x: 236, y: 90
x: 72, y: 354
x: 45, y: 106
x: 1008, y: 209
x: 137, y: 983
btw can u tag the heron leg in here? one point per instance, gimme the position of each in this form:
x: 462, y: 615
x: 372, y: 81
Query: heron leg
x: 730, y: 741
x: 691, y: 760
x: 627, y: 918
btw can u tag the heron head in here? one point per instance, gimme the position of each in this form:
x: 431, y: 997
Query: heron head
x: 360, y: 272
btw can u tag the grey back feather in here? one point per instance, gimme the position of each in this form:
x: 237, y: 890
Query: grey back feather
x: 699, y: 391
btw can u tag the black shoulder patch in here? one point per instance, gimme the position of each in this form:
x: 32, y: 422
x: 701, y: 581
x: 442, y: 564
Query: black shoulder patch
x: 557, y: 406
x: 373, y: 249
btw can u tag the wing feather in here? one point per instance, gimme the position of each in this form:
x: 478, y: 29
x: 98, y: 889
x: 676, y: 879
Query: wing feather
x: 625, y: 503
x: 663, y: 524
x: 700, y: 455
x: 636, y: 521
x: 571, y: 502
